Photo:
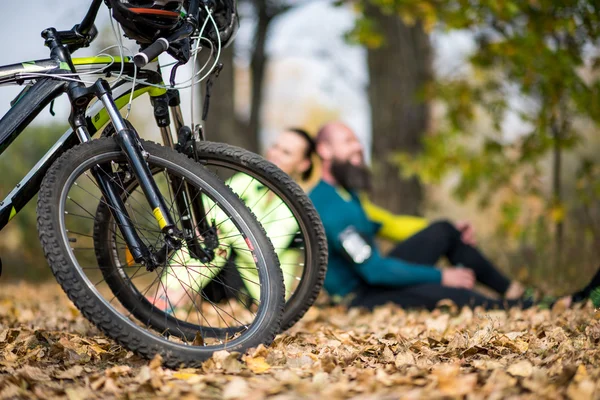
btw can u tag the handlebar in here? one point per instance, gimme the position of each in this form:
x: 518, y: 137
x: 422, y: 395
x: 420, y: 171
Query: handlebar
x: 151, y: 52
x: 87, y: 24
x: 162, y: 44
x: 81, y: 35
x: 183, y: 32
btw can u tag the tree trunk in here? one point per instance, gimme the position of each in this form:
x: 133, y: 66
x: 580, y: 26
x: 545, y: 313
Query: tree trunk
x: 558, y: 130
x: 221, y: 124
x: 398, y: 71
x: 257, y: 65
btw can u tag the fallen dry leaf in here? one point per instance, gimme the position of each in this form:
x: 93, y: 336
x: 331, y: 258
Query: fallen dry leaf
x: 583, y: 390
x: 522, y: 368
x: 71, y: 373
x: 237, y: 388
x: 258, y: 365
x: 156, y: 362
x: 49, y: 351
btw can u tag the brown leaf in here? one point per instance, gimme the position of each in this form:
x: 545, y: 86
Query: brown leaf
x: 258, y: 365
x: 522, y: 368
x: 118, y: 370
x: 326, y: 363
x: 498, y: 381
x: 260, y: 351
x: 451, y: 383
x: 583, y: 390
x: 110, y: 386
x: 439, y: 324
x: 387, y: 355
x: 237, y: 388
x: 98, y: 383
x: 459, y: 342
x: 581, y: 374
x: 71, y: 373
x: 33, y: 374
x: 144, y: 375
x: 156, y: 362
x: 561, y: 305
x: 227, y: 361
x: 79, y: 393
x: 198, y: 339
x: 486, y: 365
x: 404, y: 358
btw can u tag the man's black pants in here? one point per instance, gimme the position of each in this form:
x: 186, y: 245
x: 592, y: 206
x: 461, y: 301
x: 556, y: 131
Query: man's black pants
x: 440, y: 239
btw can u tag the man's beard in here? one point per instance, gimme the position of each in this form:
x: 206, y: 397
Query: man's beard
x: 351, y: 177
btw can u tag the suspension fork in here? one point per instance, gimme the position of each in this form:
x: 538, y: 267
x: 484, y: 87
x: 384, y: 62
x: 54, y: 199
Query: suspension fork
x: 187, y: 198
x: 128, y: 140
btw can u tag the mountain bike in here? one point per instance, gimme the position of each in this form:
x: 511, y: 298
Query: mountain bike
x: 280, y: 205
x: 158, y: 206
x: 284, y: 210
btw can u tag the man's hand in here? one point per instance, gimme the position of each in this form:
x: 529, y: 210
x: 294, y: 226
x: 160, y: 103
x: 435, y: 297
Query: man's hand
x: 467, y: 232
x: 458, y: 278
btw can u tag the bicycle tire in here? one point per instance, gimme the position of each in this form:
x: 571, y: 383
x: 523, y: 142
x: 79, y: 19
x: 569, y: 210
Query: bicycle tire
x: 58, y: 252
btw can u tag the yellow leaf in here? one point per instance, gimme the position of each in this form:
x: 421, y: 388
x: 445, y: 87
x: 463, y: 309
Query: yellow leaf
x: 74, y: 311
x: 257, y: 365
x: 184, y: 375
x: 583, y: 390
x: 581, y: 374
x: 97, y: 349
x: 557, y: 213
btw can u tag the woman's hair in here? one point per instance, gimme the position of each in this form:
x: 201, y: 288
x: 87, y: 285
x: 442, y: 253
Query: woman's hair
x: 311, y: 149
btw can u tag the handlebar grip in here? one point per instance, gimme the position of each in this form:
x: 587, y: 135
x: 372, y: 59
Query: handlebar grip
x: 151, y: 52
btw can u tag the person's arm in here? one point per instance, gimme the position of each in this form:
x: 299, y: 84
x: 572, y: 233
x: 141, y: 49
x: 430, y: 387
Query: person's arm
x: 393, y: 227
x: 384, y: 271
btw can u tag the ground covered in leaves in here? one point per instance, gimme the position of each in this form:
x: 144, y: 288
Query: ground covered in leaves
x: 48, y: 350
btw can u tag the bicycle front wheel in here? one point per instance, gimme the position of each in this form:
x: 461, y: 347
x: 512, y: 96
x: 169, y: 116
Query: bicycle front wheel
x: 160, y: 310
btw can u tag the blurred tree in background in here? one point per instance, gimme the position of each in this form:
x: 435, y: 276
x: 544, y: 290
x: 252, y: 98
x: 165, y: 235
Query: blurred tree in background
x: 223, y: 124
x: 536, y: 60
x: 399, y: 61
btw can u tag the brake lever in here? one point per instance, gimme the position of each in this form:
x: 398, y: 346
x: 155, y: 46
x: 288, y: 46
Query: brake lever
x: 174, y: 73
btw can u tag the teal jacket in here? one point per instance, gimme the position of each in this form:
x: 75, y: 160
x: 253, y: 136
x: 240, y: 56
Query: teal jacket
x: 338, y: 212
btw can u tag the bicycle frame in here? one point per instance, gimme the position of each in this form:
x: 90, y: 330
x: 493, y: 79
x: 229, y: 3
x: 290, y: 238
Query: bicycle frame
x: 35, y: 97
x: 40, y: 94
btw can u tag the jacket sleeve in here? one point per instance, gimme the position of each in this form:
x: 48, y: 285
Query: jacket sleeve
x: 386, y: 271
x: 393, y: 227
